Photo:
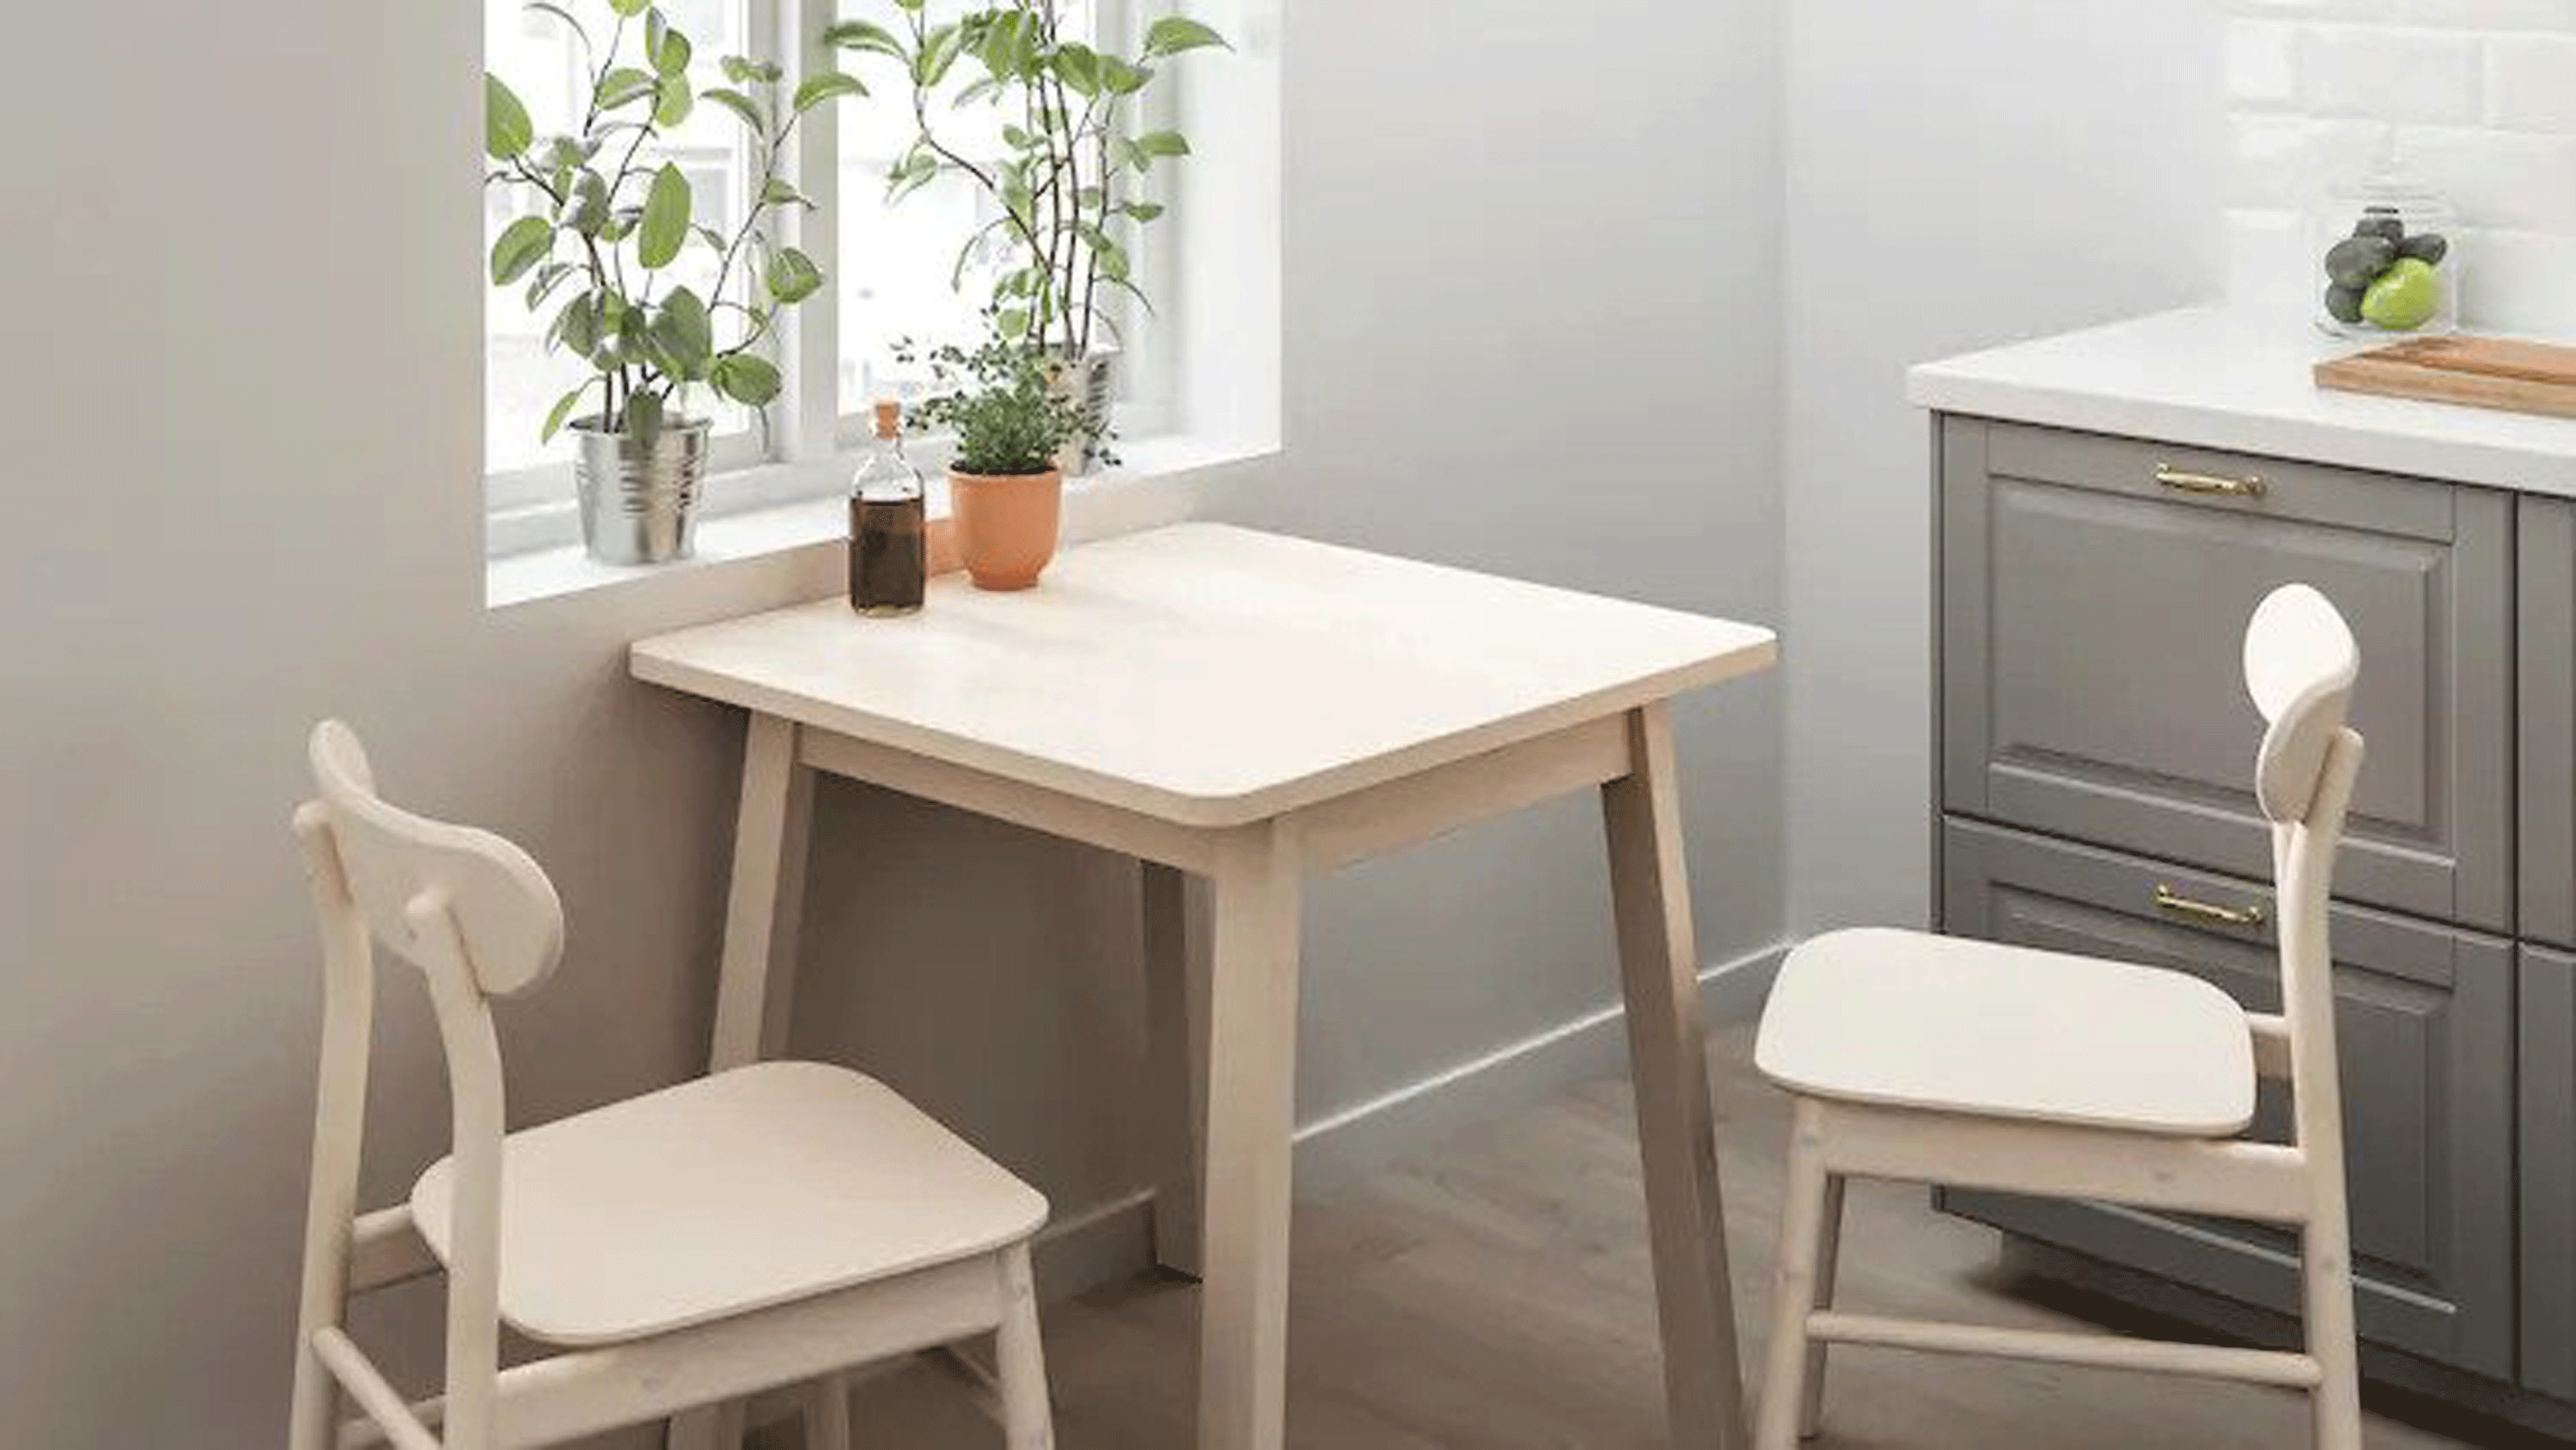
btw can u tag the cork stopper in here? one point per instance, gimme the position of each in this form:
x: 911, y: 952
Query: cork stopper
x: 889, y: 418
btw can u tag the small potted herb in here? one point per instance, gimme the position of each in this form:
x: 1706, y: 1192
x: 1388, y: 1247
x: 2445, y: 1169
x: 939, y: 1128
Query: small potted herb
x: 606, y: 227
x: 1006, y: 492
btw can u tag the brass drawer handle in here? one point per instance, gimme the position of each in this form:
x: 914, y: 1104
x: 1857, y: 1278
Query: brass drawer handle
x: 2167, y: 899
x: 2220, y: 485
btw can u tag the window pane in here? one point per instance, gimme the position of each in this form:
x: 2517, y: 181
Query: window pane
x: 540, y: 59
x: 898, y: 261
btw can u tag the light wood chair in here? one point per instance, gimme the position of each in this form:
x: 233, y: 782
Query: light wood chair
x: 1936, y: 1060
x: 769, y: 1226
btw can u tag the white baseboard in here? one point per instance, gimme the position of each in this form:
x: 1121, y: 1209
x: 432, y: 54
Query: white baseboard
x: 1113, y: 1241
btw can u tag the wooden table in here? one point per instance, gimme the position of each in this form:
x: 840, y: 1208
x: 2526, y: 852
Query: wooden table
x: 1256, y: 709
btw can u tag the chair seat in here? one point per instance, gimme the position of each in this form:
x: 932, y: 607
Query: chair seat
x: 732, y: 1193
x: 1945, y: 1024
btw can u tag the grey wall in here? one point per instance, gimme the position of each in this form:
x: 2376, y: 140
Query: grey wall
x: 1958, y: 175
x: 242, y: 404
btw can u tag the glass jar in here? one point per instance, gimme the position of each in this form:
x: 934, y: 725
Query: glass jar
x: 2390, y: 257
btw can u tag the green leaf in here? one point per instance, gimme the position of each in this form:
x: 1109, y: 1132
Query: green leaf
x: 777, y: 192
x: 586, y: 210
x: 1078, y: 66
x: 746, y: 378
x: 673, y: 100
x: 644, y: 418
x: 1176, y: 33
x: 548, y: 278
x: 793, y: 277
x: 743, y: 106
x: 1121, y: 79
x: 630, y: 8
x: 506, y: 127
x: 866, y: 35
x: 1163, y: 143
x: 579, y: 325
x: 814, y: 90
x: 625, y: 85
x: 671, y: 57
x: 683, y: 334
x: 743, y: 70
x: 1143, y: 211
x: 1011, y: 322
x: 939, y: 52
x: 666, y: 218
x: 558, y: 415
x: 520, y: 247
x: 911, y: 174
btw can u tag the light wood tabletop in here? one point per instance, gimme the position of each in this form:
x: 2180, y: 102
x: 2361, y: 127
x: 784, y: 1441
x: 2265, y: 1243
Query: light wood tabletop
x: 1254, y: 709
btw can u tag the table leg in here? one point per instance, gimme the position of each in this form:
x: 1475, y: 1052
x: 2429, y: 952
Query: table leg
x: 1676, y: 1122
x: 766, y: 905
x: 1252, y: 1104
x: 1176, y: 1031
x: 757, y: 975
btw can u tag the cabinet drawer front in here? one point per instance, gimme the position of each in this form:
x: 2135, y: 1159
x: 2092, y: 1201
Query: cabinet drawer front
x: 2091, y: 627
x: 2547, y: 1085
x: 2425, y: 1019
x: 2545, y: 635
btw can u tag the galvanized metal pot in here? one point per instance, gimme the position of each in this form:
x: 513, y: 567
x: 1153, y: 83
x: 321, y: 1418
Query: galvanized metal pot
x: 1092, y: 381
x: 638, y: 502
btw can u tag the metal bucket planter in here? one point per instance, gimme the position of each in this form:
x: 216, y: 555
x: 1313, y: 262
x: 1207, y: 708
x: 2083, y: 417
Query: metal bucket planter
x: 639, y: 501
x: 1092, y: 382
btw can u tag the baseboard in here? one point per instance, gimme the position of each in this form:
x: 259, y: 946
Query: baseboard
x: 1113, y: 1241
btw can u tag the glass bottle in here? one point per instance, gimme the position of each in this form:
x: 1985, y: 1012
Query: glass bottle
x: 889, y: 529
x: 2392, y: 268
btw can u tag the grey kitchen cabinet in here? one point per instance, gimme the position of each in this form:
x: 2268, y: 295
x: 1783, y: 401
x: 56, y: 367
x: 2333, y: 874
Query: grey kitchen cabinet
x: 2094, y: 591
x: 2427, y: 1033
x: 2545, y: 648
x: 2547, y: 1126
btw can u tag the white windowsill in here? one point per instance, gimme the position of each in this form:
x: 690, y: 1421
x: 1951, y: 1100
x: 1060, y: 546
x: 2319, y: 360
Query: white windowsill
x: 1160, y: 481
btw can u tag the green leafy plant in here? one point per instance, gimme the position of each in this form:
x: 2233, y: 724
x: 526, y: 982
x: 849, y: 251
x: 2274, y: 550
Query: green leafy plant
x: 611, y: 230
x: 1070, y: 183
x: 1004, y: 402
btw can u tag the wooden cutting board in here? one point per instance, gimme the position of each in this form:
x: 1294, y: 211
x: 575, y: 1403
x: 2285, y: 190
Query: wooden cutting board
x: 2477, y: 372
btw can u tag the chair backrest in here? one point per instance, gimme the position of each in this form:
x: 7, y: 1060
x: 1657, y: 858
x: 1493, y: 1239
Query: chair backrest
x: 2300, y: 667
x: 480, y: 920
x: 398, y: 865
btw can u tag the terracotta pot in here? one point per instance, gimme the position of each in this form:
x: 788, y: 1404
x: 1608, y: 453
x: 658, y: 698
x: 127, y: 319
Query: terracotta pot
x: 1006, y: 526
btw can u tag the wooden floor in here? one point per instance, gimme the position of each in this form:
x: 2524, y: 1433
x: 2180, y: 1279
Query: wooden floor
x: 1494, y: 1292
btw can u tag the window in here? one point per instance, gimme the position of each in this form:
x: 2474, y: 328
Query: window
x: 891, y: 265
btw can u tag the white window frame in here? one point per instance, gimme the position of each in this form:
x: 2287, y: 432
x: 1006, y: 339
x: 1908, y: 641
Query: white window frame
x: 809, y: 445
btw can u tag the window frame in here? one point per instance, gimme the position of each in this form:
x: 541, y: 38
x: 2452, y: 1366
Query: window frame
x: 807, y: 447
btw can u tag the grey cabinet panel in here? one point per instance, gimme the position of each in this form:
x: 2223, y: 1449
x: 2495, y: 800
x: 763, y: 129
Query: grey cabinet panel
x: 2427, y: 1031
x: 2547, y: 1087
x: 2545, y: 647
x: 2090, y: 683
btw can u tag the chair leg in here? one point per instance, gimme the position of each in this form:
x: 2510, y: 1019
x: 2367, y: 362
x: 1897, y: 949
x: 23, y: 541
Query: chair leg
x: 1829, y: 1252
x: 314, y: 1420
x: 827, y: 1413
x: 1020, y: 1358
x: 1794, y: 1285
x: 2326, y: 1272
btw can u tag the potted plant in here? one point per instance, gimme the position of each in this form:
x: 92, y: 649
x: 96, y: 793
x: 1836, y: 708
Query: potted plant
x: 608, y: 226
x: 1068, y: 187
x: 1005, y: 487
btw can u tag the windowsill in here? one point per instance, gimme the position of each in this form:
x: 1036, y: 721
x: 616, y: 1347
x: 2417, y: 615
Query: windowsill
x: 1159, y: 482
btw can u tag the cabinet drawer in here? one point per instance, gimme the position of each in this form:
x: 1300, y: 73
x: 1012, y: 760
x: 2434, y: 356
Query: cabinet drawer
x: 2545, y: 640
x: 2547, y: 1084
x: 2426, y: 1028
x: 2091, y: 626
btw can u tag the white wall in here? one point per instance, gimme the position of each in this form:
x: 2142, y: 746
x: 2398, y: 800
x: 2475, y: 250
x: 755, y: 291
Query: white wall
x: 2481, y: 96
x: 1959, y: 174
x: 245, y: 329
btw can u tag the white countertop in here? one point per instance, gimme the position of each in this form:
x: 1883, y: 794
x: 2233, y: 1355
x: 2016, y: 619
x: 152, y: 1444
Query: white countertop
x: 2215, y: 378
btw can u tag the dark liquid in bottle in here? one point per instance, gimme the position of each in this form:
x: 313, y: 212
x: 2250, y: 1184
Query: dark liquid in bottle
x: 889, y: 547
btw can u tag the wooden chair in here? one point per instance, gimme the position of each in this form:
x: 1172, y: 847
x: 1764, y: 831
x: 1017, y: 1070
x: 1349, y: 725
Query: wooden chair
x: 769, y: 1226
x: 1945, y: 1061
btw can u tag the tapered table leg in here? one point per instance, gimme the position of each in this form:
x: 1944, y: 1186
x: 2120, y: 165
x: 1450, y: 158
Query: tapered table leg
x: 1176, y: 1029
x: 1676, y: 1122
x: 1252, y: 1092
